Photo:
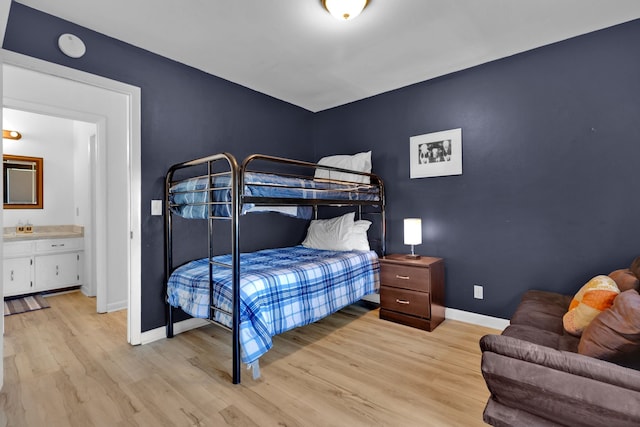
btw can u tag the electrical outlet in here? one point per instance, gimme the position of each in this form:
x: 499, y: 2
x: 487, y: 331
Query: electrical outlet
x: 478, y: 292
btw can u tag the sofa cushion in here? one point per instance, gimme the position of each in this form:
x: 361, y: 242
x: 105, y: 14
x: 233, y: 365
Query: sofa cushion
x: 532, y: 334
x: 614, y: 334
x: 596, y: 295
x: 635, y: 267
x: 542, y: 310
x: 625, y: 279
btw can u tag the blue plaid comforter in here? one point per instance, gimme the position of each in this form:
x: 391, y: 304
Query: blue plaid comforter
x: 280, y: 289
x: 187, y: 197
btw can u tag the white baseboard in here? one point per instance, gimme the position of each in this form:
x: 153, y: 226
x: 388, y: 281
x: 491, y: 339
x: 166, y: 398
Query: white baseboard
x: 115, y: 306
x: 87, y: 292
x: 178, y: 327
x: 375, y: 298
x: 476, y: 319
x: 460, y: 315
x: 450, y: 313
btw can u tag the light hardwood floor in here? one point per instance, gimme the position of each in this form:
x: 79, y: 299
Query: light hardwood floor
x: 68, y: 366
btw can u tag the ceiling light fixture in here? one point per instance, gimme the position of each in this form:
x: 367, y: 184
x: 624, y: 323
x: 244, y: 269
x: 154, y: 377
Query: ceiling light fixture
x: 72, y: 45
x: 11, y: 134
x: 345, y: 10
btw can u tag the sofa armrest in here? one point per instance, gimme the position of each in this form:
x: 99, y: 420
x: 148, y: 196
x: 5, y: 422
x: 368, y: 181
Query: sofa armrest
x: 565, y: 388
x: 573, y: 363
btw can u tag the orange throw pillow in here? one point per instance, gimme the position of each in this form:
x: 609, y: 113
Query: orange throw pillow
x: 595, y: 296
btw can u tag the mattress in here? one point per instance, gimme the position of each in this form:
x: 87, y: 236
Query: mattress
x: 280, y: 289
x: 189, y: 198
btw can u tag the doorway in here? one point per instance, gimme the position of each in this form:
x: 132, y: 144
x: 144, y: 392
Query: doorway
x: 33, y: 85
x: 66, y: 146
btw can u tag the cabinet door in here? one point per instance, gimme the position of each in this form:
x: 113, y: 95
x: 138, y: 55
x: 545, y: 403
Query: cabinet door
x: 17, y: 276
x: 56, y: 271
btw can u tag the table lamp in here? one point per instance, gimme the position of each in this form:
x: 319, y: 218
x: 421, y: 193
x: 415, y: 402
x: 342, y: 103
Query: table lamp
x: 413, y: 234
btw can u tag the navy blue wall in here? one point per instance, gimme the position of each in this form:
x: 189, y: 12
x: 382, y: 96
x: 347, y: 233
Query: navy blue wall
x: 549, y: 192
x: 185, y: 114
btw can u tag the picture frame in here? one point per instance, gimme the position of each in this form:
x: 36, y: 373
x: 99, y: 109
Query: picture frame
x: 436, y: 154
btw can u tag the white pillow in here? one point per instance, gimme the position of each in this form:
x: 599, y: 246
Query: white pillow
x: 360, y: 162
x: 357, y: 238
x: 329, y: 234
x: 338, y: 234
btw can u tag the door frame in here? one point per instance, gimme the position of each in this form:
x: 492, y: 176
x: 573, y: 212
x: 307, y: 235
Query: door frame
x: 133, y: 95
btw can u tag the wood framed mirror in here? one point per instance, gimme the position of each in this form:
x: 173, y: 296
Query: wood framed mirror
x: 23, y: 184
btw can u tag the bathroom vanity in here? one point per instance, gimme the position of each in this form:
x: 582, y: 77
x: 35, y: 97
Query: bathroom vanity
x: 50, y: 258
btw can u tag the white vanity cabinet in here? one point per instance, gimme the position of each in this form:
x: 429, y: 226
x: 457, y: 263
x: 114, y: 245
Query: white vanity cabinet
x: 18, y: 268
x: 18, y: 276
x: 42, y: 265
x: 57, y: 263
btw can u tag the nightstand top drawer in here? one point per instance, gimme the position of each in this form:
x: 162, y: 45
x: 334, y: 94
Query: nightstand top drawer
x: 405, y: 276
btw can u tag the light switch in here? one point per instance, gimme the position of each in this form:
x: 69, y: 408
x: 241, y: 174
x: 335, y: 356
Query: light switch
x: 156, y: 207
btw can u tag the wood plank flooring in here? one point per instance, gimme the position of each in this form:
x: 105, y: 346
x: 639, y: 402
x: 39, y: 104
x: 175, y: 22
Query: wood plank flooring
x: 68, y: 366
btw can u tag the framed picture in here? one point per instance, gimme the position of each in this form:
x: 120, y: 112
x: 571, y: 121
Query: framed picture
x: 436, y: 154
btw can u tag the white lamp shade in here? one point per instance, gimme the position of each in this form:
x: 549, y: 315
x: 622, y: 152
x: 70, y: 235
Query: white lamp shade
x: 412, y: 231
x: 345, y: 10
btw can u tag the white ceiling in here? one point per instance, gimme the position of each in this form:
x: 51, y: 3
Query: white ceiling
x: 295, y: 51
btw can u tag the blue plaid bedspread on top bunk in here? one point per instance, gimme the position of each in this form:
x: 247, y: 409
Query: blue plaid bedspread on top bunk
x: 188, y: 198
x: 280, y: 289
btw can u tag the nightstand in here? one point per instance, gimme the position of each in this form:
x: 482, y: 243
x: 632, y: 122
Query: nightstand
x: 412, y: 291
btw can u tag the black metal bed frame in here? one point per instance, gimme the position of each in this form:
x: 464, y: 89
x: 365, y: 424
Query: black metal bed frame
x: 236, y: 173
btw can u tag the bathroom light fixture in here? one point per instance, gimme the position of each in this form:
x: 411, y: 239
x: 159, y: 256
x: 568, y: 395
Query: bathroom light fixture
x: 11, y: 134
x: 345, y: 10
x: 413, y: 234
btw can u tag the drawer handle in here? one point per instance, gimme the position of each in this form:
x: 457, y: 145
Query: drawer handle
x: 402, y: 277
x: 402, y: 301
x: 55, y: 246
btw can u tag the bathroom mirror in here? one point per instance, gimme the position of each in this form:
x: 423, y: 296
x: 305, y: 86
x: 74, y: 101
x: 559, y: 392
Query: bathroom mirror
x: 22, y: 177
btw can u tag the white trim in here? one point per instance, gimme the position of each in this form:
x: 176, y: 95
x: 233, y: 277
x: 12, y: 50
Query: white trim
x: 460, y: 315
x: 178, y: 328
x: 450, y: 314
x: 374, y: 298
x: 4, y: 12
x: 134, y: 329
x: 115, y: 306
x: 99, y: 216
x: 133, y: 94
x: 476, y: 319
x: 5, y: 6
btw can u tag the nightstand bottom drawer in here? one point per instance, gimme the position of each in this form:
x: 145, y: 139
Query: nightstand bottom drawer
x: 405, y: 319
x: 405, y: 301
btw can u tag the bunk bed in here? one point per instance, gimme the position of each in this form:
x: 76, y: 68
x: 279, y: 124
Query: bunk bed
x: 236, y: 290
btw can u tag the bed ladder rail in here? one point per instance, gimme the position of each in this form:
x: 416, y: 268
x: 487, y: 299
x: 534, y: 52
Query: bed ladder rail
x: 212, y: 307
x: 233, y: 171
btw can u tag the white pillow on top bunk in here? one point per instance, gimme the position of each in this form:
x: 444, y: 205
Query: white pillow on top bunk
x: 360, y: 162
x: 338, y: 234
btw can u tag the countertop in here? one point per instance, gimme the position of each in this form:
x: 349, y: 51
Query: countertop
x: 44, y: 232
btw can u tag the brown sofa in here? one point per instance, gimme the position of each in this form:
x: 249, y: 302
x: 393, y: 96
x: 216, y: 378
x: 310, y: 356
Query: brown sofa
x: 537, y: 376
